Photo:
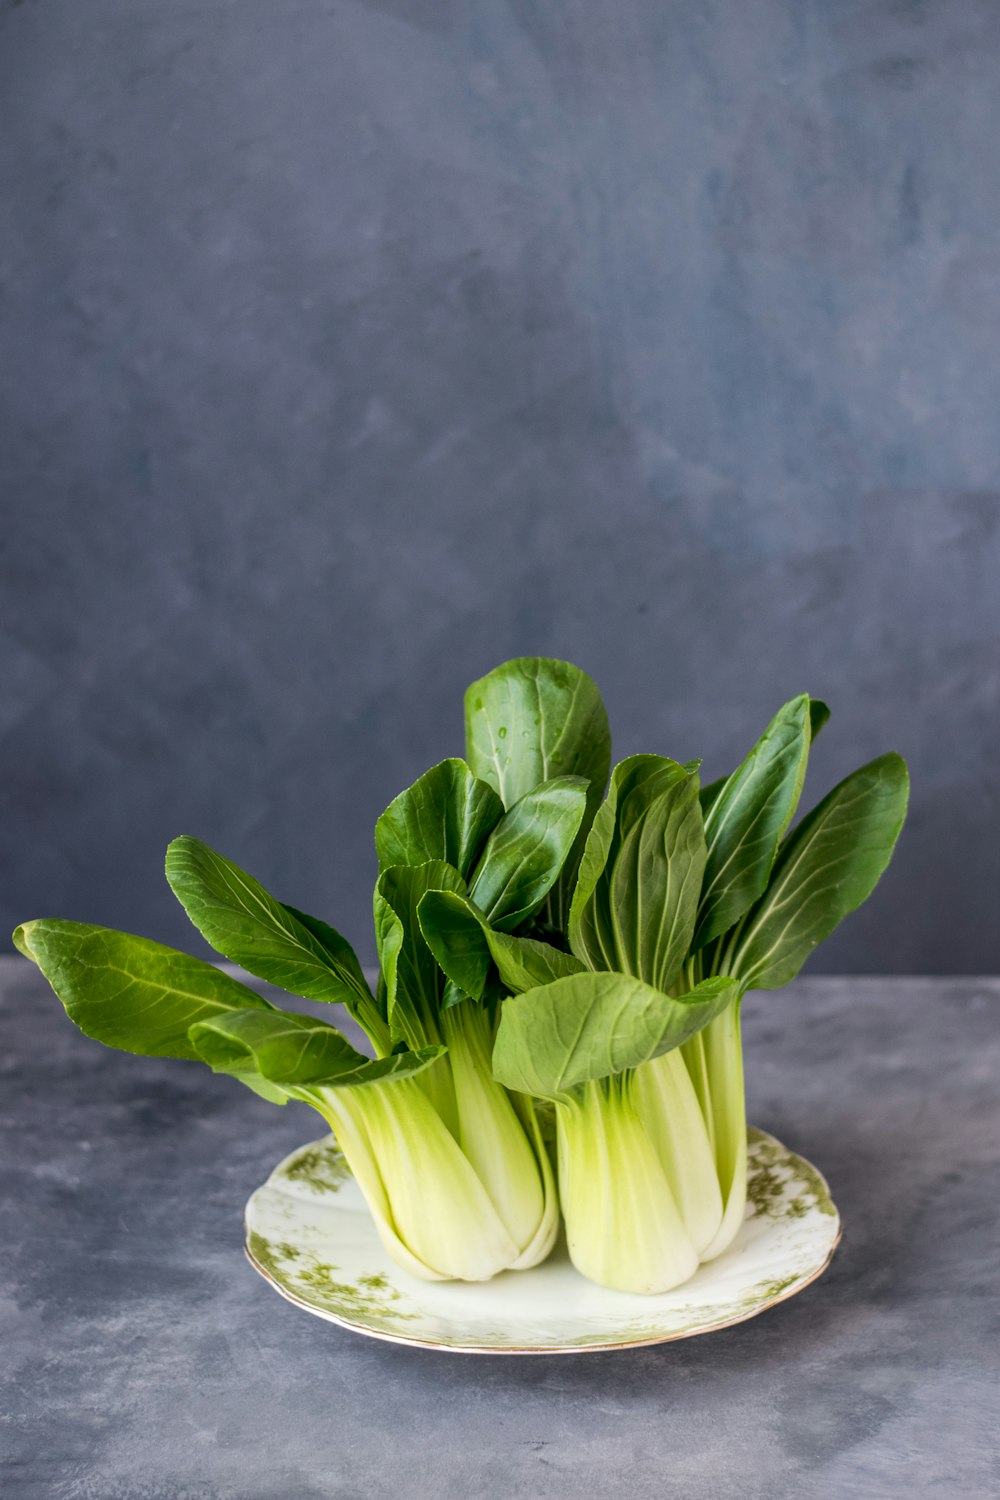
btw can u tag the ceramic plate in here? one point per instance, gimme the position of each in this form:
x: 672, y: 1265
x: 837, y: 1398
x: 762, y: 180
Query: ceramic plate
x: 310, y: 1234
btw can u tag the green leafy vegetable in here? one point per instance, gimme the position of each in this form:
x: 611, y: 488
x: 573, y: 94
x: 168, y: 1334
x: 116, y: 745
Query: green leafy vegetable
x: 827, y: 867
x: 455, y: 1174
x: 746, y: 818
x: 526, y: 851
x: 631, y: 1134
x: 654, y: 885
x: 623, y: 1226
x: 296, y: 1050
x: 445, y: 815
x: 645, y: 794
x: 414, y: 982
x: 714, y: 1059
x: 676, y: 890
x: 590, y: 1026
x: 532, y: 719
x: 128, y: 992
x: 819, y: 713
x: 537, y: 946
x: 463, y: 942
x: 242, y: 921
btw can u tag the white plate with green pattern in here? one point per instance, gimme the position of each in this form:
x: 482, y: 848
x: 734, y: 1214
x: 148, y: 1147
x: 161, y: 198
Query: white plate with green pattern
x: 310, y: 1235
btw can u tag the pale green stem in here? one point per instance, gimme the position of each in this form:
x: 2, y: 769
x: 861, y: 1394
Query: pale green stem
x: 731, y: 944
x: 372, y: 1024
x: 623, y: 1226
x: 423, y: 1191
x: 693, y: 1053
x: 339, y: 1109
x: 491, y: 1134
x: 438, y: 1084
x: 668, y: 1106
x: 724, y: 1065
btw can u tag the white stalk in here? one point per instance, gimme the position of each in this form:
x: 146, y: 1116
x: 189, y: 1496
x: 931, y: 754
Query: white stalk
x: 623, y: 1226
x: 339, y: 1109
x: 668, y: 1106
x: 515, y: 1173
x: 724, y: 1066
x: 423, y: 1191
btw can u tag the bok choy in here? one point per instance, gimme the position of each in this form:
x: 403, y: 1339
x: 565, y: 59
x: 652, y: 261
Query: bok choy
x: 628, y: 1019
x: 452, y: 1166
x: 556, y: 939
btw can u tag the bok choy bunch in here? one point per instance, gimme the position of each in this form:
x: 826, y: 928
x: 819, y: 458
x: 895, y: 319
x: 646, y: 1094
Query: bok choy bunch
x: 626, y: 1016
x: 554, y: 938
x: 451, y: 1164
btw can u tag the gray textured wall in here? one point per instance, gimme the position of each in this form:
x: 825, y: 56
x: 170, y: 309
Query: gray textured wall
x: 349, y: 348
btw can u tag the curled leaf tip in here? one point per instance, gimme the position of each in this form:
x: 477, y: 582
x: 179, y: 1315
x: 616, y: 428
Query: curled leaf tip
x: 21, y: 941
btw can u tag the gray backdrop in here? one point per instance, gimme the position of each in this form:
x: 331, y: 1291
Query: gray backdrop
x: 349, y: 348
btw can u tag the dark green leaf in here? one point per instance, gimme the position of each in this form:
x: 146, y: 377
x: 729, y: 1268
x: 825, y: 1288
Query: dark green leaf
x: 526, y: 851
x: 455, y: 932
x: 296, y: 1051
x: 128, y: 992
x: 818, y: 715
x: 533, y: 719
x: 446, y: 814
x: 746, y: 818
x: 636, y: 786
x: 414, y: 983
x: 708, y: 795
x: 588, y: 1026
x: 244, y: 922
x: 523, y: 963
x: 655, y: 884
x: 463, y: 943
x: 827, y: 867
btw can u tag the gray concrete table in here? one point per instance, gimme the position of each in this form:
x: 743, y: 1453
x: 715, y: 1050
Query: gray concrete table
x: 146, y: 1361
